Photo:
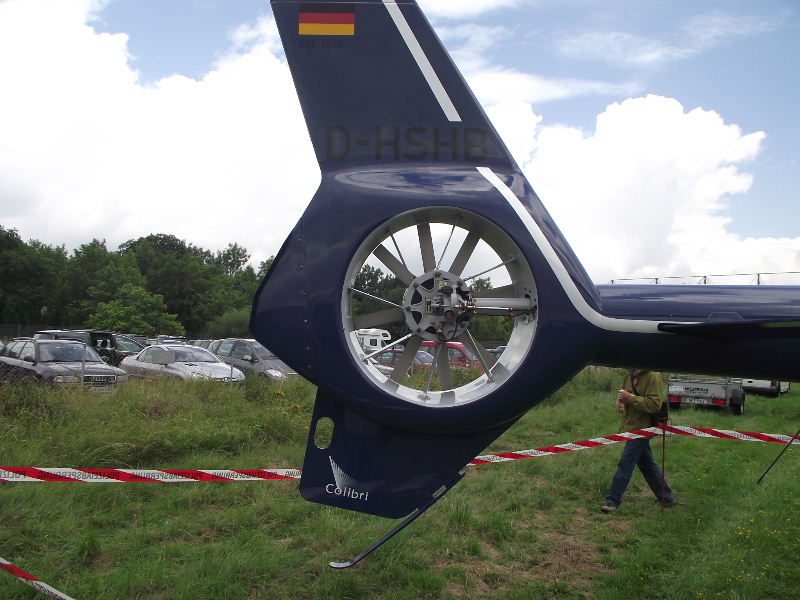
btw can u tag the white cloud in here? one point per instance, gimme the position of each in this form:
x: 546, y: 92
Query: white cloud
x: 470, y: 43
x: 462, y: 9
x: 645, y: 194
x: 620, y: 48
x: 695, y: 35
x: 88, y: 151
x: 493, y: 85
x: 718, y: 28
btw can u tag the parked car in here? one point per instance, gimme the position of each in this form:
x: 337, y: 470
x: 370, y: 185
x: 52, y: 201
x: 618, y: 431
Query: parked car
x: 498, y: 351
x: 180, y: 361
x: 57, y: 362
x: 460, y: 355
x: 250, y: 356
x: 167, y: 339
x: 139, y: 339
x: 762, y: 386
x: 388, y: 358
x: 112, y: 347
x: 201, y: 343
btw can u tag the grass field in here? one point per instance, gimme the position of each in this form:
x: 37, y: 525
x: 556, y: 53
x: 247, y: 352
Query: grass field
x: 523, y: 530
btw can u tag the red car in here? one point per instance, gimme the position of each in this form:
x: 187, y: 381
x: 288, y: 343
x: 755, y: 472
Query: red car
x: 389, y: 358
x: 459, y: 354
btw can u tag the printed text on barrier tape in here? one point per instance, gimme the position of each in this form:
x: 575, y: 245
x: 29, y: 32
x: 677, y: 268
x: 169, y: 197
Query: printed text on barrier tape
x: 31, y: 580
x: 32, y: 474
x: 63, y: 475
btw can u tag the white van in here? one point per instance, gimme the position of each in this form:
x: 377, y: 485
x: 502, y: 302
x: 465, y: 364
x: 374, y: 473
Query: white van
x: 762, y: 386
x: 372, y: 339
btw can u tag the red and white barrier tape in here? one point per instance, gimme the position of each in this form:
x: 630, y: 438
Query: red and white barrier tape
x: 66, y: 475
x: 31, y: 474
x: 743, y: 436
x: 25, y: 577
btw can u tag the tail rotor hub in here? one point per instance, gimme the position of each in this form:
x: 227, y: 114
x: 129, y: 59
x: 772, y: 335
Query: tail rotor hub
x: 438, y: 306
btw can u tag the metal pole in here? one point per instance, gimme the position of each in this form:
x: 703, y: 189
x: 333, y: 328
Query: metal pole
x: 663, y: 424
x: 796, y: 436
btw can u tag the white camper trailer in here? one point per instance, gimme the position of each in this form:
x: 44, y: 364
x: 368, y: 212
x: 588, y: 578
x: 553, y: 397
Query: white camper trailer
x: 372, y: 339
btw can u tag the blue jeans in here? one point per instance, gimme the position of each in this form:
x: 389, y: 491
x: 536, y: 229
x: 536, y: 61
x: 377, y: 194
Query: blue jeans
x: 638, y: 453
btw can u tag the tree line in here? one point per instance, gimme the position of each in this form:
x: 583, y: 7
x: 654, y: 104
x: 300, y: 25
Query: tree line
x: 159, y: 284
x: 150, y: 285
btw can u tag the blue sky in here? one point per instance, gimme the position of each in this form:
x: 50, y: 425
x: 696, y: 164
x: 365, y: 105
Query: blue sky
x: 683, y: 112
x: 736, y: 58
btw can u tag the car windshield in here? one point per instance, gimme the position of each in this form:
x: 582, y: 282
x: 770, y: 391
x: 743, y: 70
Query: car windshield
x: 63, y: 352
x: 262, y: 351
x: 192, y: 354
x: 468, y: 353
x: 127, y: 344
x: 424, y: 357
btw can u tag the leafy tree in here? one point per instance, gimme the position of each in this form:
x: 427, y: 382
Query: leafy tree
x: 231, y: 260
x: 181, y: 273
x: 121, y: 269
x: 491, y: 331
x: 264, y: 266
x: 481, y: 284
x: 32, y: 279
x: 163, y: 243
x: 50, y: 294
x: 43, y: 284
x: 233, y: 323
x: 375, y: 282
x: 82, y: 272
x: 135, y: 309
x: 225, y: 294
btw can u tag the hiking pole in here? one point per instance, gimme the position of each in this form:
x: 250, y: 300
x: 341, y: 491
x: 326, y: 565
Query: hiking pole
x: 796, y: 436
x: 663, y: 424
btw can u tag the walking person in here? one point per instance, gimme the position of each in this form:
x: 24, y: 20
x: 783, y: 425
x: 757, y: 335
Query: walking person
x: 641, y: 396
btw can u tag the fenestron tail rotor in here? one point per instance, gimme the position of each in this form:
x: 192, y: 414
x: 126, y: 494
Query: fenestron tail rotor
x: 438, y: 302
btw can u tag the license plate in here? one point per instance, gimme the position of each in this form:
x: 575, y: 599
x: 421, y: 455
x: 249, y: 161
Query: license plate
x: 695, y: 401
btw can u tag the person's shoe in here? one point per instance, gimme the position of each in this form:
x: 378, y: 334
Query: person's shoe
x: 608, y: 508
x: 663, y: 503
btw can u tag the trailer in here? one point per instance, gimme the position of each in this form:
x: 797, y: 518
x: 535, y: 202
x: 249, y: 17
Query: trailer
x: 373, y: 339
x: 701, y: 390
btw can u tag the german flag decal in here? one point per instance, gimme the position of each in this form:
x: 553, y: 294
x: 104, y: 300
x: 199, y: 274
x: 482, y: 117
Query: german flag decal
x: 324, y: 18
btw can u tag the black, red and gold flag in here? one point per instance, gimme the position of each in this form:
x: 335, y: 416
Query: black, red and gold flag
x: 324, y: 18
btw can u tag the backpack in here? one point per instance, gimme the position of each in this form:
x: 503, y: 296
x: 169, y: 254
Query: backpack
x: 658, y: 417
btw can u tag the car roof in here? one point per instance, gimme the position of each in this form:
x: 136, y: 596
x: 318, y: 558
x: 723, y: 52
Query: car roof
x: 76, y: 331
x: 450, y: 344
x: 60, y: 341
x: 172, y: 345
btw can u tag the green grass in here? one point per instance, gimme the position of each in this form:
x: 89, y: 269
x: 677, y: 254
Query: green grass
x: 528, y: 529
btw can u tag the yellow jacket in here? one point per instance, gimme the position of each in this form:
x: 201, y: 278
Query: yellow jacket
x: 647, y: 401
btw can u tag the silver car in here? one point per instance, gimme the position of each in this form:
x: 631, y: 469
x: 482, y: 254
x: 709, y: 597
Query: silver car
x: 250, y: 356
x: 182, y: 362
